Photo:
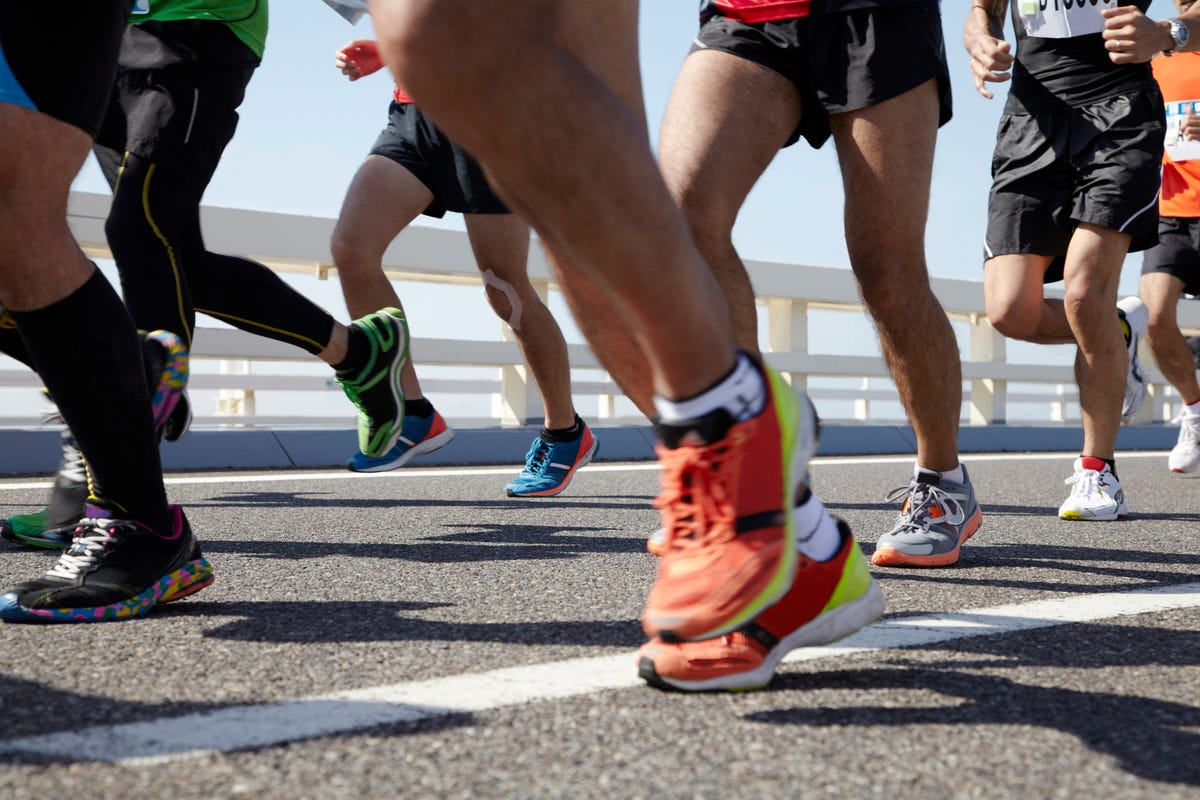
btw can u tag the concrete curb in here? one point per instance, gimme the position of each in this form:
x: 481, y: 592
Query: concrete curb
x: 36, y: 451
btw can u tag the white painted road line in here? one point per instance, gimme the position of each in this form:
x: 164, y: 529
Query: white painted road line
x: 287, y: 476
x: 243, y: 727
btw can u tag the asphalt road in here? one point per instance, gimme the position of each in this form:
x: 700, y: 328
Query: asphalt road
x: 418, y: 634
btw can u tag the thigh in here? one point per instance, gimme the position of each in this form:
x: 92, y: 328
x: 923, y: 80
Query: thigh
x: 726, y: 119
x: 382, y: 200
x: 886, y: 156
x: 1160, y: 291
x: 500, y: 243
x: 1012, y: 284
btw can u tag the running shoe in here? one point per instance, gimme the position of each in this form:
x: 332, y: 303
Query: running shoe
x: 829, y: 600
x: 727, y: 493
x: 53, y: 527
x: 1134, y: 318
x: 1185, y: 455
x: 937, y: 517
x: 166, y: 360
x: 374, y: 388
x: 179, y: 421
x: 1096, y: 494
x: 418, y: 436
x: 549, y: 466
x: 114, y: 569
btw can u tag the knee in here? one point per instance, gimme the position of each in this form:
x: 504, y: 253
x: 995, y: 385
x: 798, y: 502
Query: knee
x: 1084, y: 301
x: 349, y: 253
x: 1013, y: 319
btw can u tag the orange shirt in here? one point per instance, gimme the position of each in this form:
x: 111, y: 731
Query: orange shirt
x: 1179, y: 79
x: 400, y: 96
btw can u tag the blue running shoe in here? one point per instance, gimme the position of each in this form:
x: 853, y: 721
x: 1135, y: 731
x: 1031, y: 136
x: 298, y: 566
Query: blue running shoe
x: 374, y: 388
x: 417, y: 437
x: 549, y: 466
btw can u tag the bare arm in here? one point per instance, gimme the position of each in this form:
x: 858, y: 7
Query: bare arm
x: 983, y: 37
x: 1133, y: 38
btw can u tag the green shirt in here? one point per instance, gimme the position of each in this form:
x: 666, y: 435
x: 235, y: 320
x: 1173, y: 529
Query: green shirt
x: 246, y: 18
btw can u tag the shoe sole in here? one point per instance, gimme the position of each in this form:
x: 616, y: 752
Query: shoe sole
x: 1074, y: 516
x: 419, y: 449
x: 187, y: 580
x: 832, y: 626
x: 172, y: 381
x: 891, y: 557
x: 562, y: 487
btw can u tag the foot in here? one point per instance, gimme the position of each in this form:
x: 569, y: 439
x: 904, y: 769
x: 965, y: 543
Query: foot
x: 114, y: 570
x: 166, y: 359
x: 53, y: 527
x: 418, y: 435
x: 1134, y: 318
x: 1185, y: 455
x: 728, y: 490
x: 1096, y: 494
x: 549, y: 466
x: 374, y: 388
x: 828, y: 601
x: 937, y: 517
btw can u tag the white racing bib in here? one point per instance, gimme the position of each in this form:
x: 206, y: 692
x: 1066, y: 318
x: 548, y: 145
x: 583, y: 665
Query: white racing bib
x: 1179, y: 148
x: 1062, y: 19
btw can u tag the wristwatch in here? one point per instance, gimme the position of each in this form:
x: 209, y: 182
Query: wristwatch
x: 1179, y: 34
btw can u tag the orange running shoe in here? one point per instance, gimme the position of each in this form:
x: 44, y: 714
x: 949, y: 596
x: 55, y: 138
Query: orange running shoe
x: 729, y: 541
x: 828, y: 601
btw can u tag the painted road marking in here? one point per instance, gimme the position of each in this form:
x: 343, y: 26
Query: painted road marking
x: 243, y: 727
x: 461, y: 472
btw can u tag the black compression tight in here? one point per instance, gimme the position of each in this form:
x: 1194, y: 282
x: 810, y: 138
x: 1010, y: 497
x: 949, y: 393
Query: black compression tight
x: 167, y: 275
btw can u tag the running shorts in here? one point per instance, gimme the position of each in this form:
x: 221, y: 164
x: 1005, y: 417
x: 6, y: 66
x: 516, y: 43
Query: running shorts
x: 73, y: 86
x: 454, y: 177
x: 1177, y: 252
x: 176, y: 95
x: 1099, y: 163
x: 841, y: 62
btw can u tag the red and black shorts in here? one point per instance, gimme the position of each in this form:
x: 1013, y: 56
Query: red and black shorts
x: 841, y: 62
x: 449, y: 172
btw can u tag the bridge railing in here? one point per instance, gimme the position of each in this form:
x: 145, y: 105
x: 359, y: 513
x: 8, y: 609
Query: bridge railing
x: 789, y: 294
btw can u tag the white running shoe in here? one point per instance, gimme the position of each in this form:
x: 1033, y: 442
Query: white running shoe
x: 1134, y: 317
x: 1095, y: 495
x: 1185, y: 456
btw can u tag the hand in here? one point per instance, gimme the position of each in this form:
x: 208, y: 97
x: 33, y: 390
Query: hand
x: 1191, y: 127
x: 358, y: 58
x: 1133, y: 38
x: 991, y: 56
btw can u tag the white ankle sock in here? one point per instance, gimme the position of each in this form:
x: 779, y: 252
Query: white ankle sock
x: 817, y: 534
x: 742, y: 393
x: 953, y: 475
x: 1193, y: 409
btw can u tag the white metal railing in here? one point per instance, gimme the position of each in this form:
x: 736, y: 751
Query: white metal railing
x: 787, y: 292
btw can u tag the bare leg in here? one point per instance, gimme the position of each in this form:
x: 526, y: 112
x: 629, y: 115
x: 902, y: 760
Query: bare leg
x: 1161, y: 292
x: 1091, y: 273
x: 726, y: 120
x: 1016, y: 304
x: 382, y: 200
x: 886, y: 154
x: 501, y: 246
x: 619, y: 226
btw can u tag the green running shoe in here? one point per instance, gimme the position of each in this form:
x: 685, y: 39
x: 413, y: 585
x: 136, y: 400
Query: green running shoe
x: 374, y: 387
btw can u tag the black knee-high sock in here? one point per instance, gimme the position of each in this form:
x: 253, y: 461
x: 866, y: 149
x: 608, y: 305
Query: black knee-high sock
x: 88, y: 354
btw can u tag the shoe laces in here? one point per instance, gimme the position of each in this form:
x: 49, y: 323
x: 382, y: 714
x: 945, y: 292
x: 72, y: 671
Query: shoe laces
x: 538, y: 457
x: 696, y: 501
x: 1189, y: 427
x: 93, y: 537
x: 926, y: 504
x: 1087, y: 482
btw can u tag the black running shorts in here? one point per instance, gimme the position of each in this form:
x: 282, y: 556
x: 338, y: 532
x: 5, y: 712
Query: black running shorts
x: 455, y: 178
x: 1177, y: 252
x: 841, y: 62
x: 176, y: 95
x: 71, y: 80
x: 1100, y: 164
